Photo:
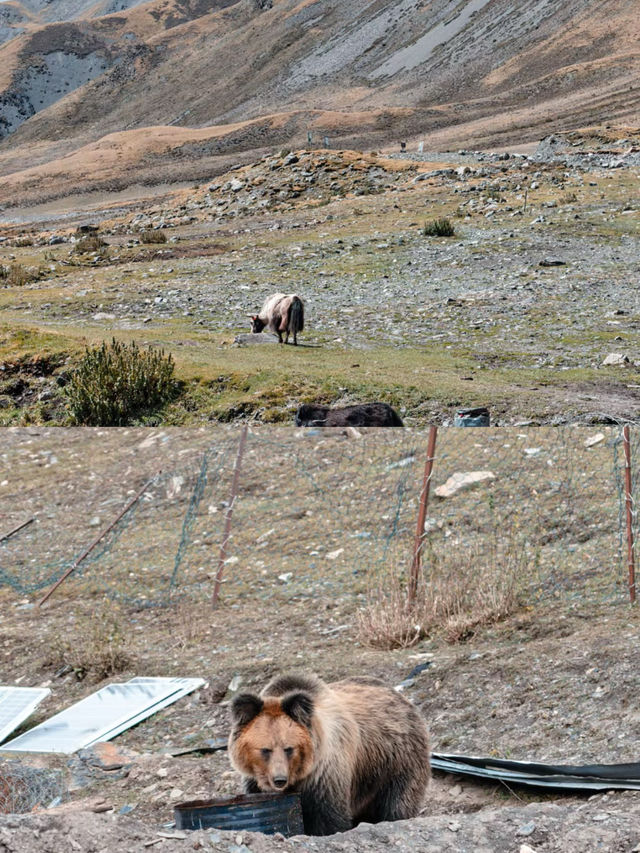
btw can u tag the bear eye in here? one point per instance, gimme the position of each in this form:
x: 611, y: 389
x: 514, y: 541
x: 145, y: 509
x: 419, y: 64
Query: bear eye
x: 266, y: 753
x: 288, y: 751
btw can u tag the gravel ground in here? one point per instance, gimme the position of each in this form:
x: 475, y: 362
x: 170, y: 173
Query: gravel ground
x: 601, y: 823
x: 510, y: 309
x: 528, y: 280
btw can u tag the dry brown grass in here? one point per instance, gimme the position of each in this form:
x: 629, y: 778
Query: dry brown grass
x: 23, y: 241
x: 91, y: 243
x: 191, y: 627
x: 98, y: 650
x: 151, y: 236
x: 17, y: 275
x: 388, y: 621
x: 460, y: 589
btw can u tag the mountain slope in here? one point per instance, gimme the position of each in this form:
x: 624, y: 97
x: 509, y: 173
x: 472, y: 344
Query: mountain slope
x: 474, y: 71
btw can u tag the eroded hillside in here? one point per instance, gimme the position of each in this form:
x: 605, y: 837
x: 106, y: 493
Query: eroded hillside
x: 452, y: 73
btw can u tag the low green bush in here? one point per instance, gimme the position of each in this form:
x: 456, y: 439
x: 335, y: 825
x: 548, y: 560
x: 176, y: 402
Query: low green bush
x: 439, y: 228
x: 117, y: 383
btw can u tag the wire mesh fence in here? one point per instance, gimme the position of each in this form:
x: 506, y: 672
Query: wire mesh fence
x: 304, y: 501
x: 316, y: 515
x: 546, y: 494
x: 25, y: 789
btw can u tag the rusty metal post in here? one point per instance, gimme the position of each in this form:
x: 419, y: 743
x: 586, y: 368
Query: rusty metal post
x: 422, y: 515
x: 16, y: 529
x: 88, y: 550
x: 229, y: 514
x: 631, y: 563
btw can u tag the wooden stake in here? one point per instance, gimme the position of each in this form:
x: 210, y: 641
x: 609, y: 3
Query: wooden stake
x: 631, y: 563
x: 422, y: 515
x: 16, y: 530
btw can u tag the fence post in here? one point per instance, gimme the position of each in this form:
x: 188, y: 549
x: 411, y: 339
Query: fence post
x: 630, y: 513
x: 422, y: 515
x: 229, y: 514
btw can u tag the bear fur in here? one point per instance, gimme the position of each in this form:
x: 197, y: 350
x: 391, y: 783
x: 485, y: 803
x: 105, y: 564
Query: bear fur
x: 355, y: 750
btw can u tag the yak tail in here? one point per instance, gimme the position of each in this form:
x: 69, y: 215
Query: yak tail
x: 396, y: 419
x: 296, y: 316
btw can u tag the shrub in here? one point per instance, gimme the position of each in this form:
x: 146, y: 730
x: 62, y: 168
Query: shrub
x: 117, y: 382
x: 460, y: 590
x: 388, y: 622
x: 153, y: 237
x: 438, y: 228
x: 17, y: 275
x: 99, y: 650
x: 568, y: 198
x: 91, y: 243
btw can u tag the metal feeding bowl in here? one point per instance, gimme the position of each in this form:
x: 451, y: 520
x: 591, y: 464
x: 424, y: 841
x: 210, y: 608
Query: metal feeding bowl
x: 267, y: 813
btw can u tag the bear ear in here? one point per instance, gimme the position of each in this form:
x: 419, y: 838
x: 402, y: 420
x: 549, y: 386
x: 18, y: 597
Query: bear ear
x: 298, y: 706
x: 245, y: 707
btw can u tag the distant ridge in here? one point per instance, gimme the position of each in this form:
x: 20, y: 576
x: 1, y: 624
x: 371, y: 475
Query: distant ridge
x: 452, y: 72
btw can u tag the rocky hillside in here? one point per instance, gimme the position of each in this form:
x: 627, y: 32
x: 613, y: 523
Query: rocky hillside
x: 362, y: 74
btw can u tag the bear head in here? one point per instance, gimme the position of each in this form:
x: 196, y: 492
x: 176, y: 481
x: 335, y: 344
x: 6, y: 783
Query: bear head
x: 271, y: 739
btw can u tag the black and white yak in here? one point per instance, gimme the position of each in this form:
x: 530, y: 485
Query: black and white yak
x: 280, y: 313
x: 361, y: 415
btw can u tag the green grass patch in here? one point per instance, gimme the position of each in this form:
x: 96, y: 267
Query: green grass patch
x: 19, y: 341
x: 222, y: 383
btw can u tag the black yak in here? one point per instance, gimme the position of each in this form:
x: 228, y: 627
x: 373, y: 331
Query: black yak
x: 361, y: 415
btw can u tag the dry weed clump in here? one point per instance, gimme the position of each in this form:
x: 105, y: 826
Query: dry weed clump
x: 23, y: 241
x: 17, y: 275
x: 98, y: 650
x: 460, y: 589
x: 152, y: 236
x: 190, y: 628
x: 388, y: 621
x: 90, y: 243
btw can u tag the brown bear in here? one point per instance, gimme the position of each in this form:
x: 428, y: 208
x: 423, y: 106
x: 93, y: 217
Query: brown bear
x: 354, y: 749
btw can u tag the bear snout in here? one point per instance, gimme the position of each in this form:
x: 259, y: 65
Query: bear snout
x: 280, y: 782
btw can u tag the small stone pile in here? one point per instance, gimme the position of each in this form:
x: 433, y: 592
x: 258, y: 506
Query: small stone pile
x: 310, y: 177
